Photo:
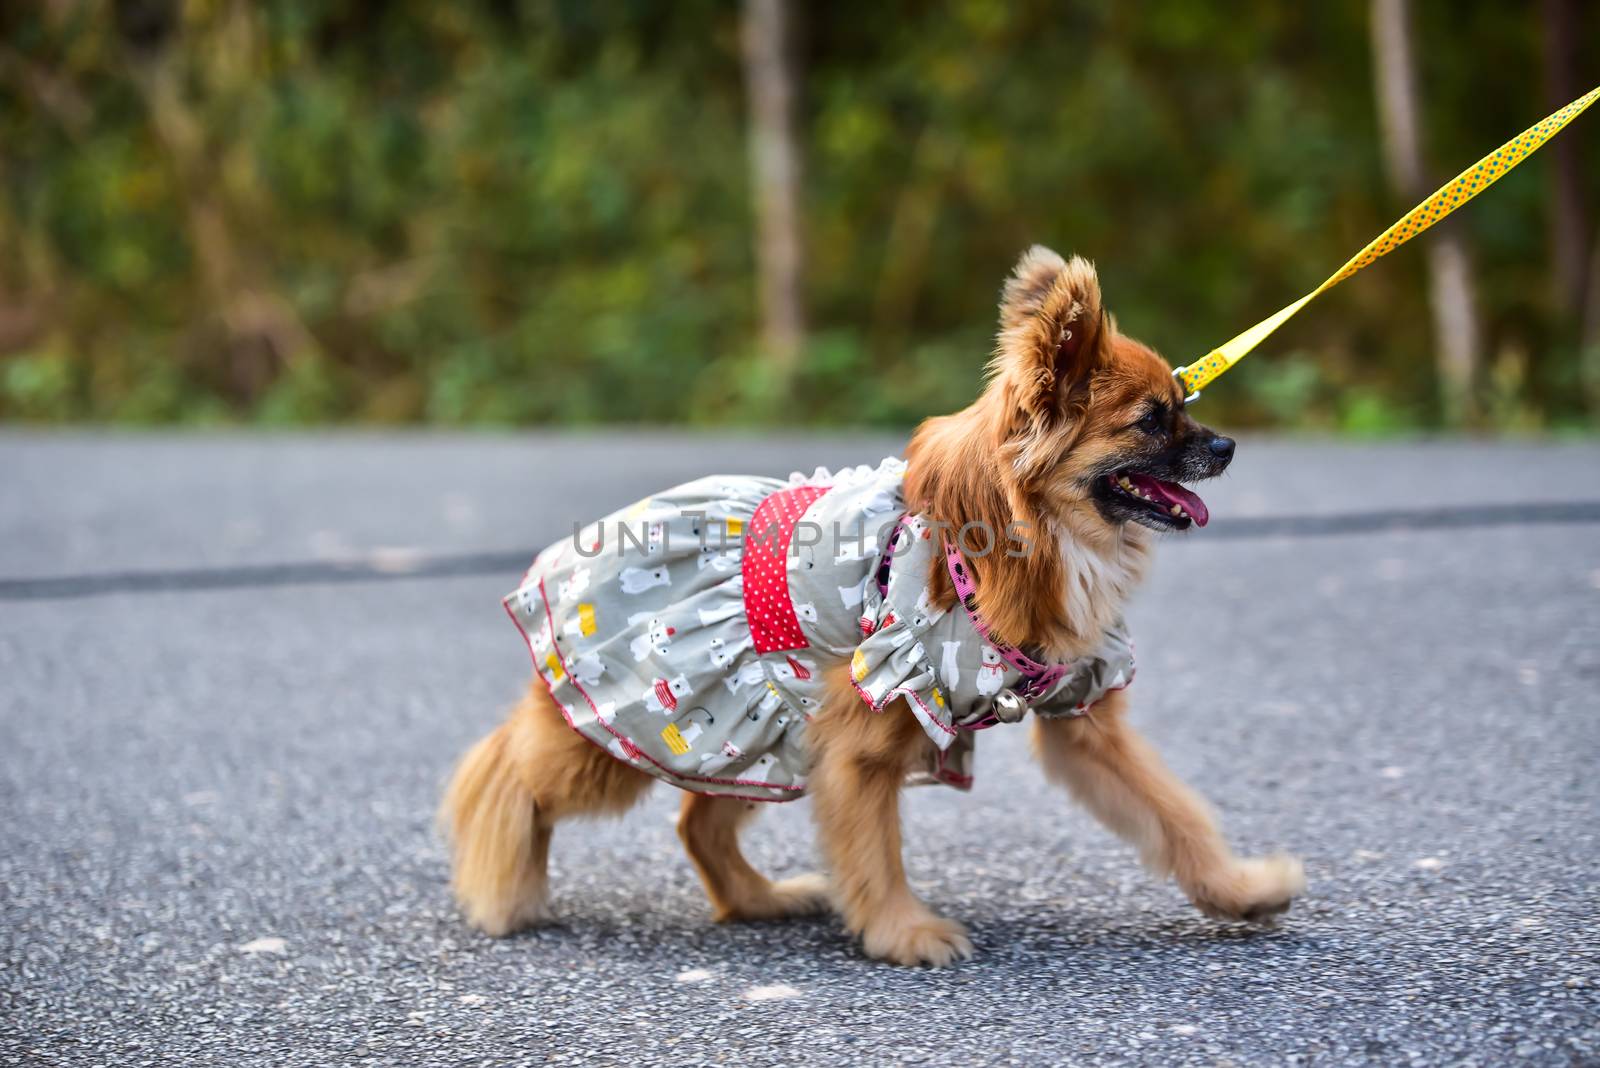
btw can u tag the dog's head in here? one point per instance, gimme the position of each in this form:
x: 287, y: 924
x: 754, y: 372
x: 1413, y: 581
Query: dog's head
x: 1080, y: 434
x: 1090, y: 414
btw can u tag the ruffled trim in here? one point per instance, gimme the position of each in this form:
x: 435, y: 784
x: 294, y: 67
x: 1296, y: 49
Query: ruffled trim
x: 882, y: 671
x: 846, y: 477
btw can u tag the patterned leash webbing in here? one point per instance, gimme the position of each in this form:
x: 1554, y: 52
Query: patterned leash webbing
x: 1468, y: 184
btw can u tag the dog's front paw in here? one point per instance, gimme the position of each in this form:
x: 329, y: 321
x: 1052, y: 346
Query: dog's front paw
x: 1251, y: 890
x: 913, y: 935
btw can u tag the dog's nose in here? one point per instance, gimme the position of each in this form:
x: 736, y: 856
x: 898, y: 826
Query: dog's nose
x: 1222, y: 448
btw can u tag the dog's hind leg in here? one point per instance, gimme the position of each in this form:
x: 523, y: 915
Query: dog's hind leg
x: 709, y: 827
x: 506, y: 796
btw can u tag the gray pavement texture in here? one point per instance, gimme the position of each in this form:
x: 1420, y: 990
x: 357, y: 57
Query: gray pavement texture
x: 218, y: 844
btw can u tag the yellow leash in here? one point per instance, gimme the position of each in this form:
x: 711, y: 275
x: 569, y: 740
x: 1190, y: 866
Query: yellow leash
x: 1468, y: 184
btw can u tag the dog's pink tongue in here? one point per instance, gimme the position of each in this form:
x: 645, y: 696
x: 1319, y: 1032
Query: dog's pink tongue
x: 1169, y: 494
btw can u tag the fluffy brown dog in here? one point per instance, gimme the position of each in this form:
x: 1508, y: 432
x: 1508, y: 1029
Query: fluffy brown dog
x: 1082, y: 435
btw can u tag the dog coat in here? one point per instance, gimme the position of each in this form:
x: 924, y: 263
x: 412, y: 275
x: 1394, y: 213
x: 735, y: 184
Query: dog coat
x: 684, y: 634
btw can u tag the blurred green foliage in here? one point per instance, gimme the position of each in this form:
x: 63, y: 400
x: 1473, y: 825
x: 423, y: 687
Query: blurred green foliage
x: 510, y: 212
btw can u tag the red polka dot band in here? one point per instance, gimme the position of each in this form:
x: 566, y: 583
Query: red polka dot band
x: 765, y: 566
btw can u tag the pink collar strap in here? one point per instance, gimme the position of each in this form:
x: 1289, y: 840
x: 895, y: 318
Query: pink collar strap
x: 1037, y: 677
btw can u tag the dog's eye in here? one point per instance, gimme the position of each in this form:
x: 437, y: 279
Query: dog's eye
x: 1150, y: 423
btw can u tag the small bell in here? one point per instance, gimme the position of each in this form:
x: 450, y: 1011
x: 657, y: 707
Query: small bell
x: 1008, y: 707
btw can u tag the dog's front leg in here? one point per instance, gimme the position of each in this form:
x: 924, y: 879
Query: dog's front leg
x: 1112, y: 770
x: 860, y: 759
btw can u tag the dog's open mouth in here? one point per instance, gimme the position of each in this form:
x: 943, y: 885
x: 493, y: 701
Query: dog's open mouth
x: 1168, y: 503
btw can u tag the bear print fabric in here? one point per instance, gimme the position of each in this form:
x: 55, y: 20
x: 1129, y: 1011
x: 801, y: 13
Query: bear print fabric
x: 639, y: 626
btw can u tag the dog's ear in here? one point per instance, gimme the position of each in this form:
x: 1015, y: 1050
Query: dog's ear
x: 1053, y: 331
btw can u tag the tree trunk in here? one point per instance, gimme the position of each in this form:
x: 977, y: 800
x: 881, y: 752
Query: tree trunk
x: 770, y: 83
x: 1452, y: 295
x: 1589, y: 334
x: 1569, y: 216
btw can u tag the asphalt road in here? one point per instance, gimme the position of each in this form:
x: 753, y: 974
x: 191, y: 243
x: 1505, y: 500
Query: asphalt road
x: 234, y: 672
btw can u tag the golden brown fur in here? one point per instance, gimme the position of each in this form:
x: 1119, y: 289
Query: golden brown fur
x: 1064, y: 392
x: 1062, y: 385
x: 507, y: 794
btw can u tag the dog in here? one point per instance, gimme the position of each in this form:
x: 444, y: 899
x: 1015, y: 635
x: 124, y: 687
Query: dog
x: 1080, y: 438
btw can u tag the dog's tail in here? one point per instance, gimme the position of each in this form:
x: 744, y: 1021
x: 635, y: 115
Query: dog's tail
x: 500, y: 847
